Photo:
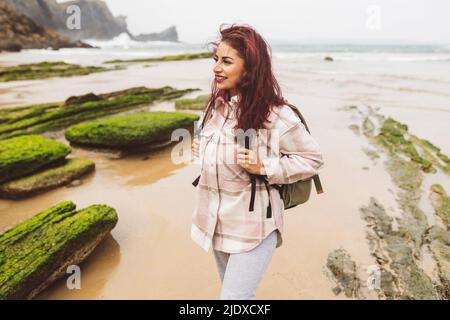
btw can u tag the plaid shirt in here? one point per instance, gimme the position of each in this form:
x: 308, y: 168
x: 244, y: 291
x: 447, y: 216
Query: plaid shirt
x: 221, y: 216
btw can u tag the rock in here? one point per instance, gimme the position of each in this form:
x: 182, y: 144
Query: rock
x: 38, y: 251
x: 371, y: 153
x: 169, y: 34
x: 394, y: 250
x: 368, y: 127
x: 24, y: 155
x: 97, y: 20
x: 328, y: 58
x: 438, y: 241
x: 55, y: 116
x: 131, y: 131
x: 197, y: 103
x: 441, y: 204
x: 343, y: 268
x: 42, y: 70
x: 19, y: 31
x: 47, y: 179
x: 82, y: 99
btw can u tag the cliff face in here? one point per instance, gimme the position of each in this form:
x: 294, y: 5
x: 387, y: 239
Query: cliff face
x: 97, y: 21
x: 18, y: 31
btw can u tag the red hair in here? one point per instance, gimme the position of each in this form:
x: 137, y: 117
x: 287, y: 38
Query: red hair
x: 258, y: 89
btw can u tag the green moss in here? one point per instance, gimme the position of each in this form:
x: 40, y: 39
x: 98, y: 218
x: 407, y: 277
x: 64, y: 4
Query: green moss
x: 44, y: 70
x: 53, y: 177
x: 198, y: 103
x: 48, y: 117
x: 394, y: 137
x: 23, y: 155
x: 177, y: 57
x: 441, y: 203
x: 36, y: 248
x: 432, y: 154
x: 129, y: 131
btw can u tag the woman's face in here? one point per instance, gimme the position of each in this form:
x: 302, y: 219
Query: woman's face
x: 228, y: 69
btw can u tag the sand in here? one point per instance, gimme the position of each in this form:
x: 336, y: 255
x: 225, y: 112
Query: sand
x: 150, y: 255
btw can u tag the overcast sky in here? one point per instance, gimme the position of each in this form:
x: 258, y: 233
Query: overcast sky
x: 418, y: 21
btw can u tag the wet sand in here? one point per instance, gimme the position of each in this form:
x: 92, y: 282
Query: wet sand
x: 150, y: 255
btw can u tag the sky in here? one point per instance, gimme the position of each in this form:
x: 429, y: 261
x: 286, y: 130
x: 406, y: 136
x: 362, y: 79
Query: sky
x: 349, y: 21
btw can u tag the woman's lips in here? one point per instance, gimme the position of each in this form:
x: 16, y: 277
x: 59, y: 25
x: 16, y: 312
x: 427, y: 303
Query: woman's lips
x: 220, y: 79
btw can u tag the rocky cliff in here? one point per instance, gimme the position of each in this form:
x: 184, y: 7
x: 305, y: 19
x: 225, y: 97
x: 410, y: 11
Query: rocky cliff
x: 97, y: 21
x: 18, y: 31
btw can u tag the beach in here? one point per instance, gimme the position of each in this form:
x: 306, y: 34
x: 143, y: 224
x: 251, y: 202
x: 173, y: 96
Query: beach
x: 149, y: 254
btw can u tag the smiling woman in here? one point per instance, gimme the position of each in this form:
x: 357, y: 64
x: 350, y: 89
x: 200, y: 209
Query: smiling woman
x: 228, y: 69
x: 246, y: 98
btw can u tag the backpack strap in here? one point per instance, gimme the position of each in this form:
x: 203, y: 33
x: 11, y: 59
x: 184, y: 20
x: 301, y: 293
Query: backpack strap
x: 253, y: 193
x: 317, y: 184
x: 316, y: 178
x: 253, y: 178
x: 195, y: 182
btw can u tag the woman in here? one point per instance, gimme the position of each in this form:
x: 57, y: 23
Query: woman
x: 246, y: 98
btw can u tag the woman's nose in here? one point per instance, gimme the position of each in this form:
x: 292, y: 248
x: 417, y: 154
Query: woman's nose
x: 217, y: 68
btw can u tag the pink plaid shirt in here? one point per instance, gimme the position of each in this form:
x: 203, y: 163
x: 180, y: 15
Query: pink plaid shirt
x: 221, y: 216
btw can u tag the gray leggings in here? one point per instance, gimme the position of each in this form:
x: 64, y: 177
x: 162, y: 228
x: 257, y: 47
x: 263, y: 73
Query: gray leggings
x: 240, y: 273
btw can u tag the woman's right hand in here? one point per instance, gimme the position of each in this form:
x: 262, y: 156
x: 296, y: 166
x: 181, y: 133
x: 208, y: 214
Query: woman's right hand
x: 195, y: 147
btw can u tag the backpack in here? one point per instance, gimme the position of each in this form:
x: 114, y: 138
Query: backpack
x: 292, y: 194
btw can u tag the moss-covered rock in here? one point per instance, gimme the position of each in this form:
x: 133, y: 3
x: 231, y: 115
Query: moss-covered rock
x: 54, y: 116
x: 59, y: 175
x: 46, y: 69
x: 177, y: 57
x: 394, y: 137
x: 343, y: 269
x: 21, y: 156
x: 128, y: 131
x: 439, y: 244
x: 197, y: 103
x: 38, y: 251
x: 441, y: 203
x: 401, y: 277
x: 398, y: 251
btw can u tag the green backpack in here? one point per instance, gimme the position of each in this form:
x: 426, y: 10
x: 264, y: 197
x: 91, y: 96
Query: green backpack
x: 292, y: 194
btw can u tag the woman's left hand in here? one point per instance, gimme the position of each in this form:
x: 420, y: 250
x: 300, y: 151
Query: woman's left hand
x: 248, y: 160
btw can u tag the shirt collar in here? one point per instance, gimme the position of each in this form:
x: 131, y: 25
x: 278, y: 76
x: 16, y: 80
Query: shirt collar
x: 234, y: 100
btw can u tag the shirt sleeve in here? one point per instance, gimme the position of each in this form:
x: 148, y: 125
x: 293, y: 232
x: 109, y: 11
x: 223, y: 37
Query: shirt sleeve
x: 295, y: 157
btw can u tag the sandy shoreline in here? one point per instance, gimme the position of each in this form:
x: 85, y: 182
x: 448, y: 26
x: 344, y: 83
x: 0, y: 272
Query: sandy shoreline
x: 150, y: 254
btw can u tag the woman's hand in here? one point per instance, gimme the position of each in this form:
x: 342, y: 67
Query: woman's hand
x: 248, y: 160
x: 195, y: 147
